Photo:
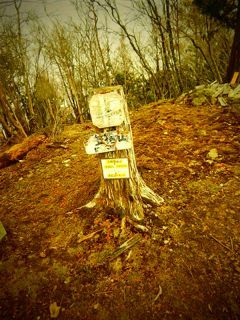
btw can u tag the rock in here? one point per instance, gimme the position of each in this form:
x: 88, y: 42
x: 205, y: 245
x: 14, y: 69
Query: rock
x: 200, y: 87
x: 212, y: 154
x: 198, y: 101
x: 214, y: 93
x: 235, y: 93
x: 218, y: 92
x: 222, y: 101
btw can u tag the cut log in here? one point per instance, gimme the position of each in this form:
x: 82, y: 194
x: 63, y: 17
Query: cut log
x: 123, y: 195
x: 19, y: 151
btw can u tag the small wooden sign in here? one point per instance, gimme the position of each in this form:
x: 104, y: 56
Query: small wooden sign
x: 115, y: 168
x: 108, y: 141
x: 107, y: 110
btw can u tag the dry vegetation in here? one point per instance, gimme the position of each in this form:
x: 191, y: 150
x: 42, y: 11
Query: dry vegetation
x: 187, y: 267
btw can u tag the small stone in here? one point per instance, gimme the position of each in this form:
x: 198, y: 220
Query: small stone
x: 96, y: 306
x: 66, y: 161
x: 198, y: 101
x: 212, y: 154
x: 42, y: 254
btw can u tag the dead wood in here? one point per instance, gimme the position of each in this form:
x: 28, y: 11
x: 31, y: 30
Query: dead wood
x: 219, y: 242
x: 89, y: 236
x: 55, y: 145
x: 125, y: 246
x: 20, y: 150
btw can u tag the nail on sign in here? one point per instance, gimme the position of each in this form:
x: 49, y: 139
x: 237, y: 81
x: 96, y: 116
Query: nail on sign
x: 115, y: 168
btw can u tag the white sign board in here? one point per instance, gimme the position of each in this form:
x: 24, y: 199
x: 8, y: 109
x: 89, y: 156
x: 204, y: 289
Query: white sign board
x: 107, y: 110
x: 115, y: 168
x: 108, y: 141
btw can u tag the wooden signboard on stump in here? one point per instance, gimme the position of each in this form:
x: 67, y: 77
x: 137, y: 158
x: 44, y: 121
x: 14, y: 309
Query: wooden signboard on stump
x: 122, y: 188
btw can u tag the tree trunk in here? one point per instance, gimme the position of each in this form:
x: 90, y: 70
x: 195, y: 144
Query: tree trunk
x: 172, y: 46
x: 124, y: 196
x: 7, y: 129
x: 12, y: 118
x: 234, y: 60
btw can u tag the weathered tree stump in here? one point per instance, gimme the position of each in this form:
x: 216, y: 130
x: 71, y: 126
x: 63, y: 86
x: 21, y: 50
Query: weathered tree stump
x: 123, y: 191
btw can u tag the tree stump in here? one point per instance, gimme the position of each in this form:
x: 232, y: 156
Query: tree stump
x: 124, y: 193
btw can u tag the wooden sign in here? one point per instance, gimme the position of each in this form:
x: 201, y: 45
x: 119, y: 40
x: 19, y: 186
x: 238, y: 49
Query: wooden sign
x: 115, y: 168
x: 108, y: 141
x: 107, y: 110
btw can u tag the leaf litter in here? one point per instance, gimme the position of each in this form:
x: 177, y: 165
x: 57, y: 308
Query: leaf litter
x: 187, y: 264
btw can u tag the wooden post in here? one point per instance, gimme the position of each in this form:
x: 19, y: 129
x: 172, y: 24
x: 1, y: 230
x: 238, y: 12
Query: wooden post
x: 234, y: 78
x: 122, y: 188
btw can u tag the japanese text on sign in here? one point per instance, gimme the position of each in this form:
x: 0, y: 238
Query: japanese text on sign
x: 107, y: 110
x: 115, y: 168
x: 108, y: 141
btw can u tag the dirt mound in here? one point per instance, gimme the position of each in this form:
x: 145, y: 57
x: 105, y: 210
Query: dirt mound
x: 54, y: 260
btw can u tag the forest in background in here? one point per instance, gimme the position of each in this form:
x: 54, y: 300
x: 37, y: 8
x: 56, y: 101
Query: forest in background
x: 157, y: 50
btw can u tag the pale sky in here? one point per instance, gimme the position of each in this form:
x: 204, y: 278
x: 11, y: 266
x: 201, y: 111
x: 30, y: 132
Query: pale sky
x: 61, y: 9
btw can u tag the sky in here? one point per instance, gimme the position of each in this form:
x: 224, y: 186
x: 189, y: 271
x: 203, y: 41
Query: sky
x: 62, y: 9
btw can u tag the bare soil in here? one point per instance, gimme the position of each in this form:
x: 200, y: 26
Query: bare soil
x: 186, y: 267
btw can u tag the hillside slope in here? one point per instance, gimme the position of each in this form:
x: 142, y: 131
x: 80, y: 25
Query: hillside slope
x: 187, y: 267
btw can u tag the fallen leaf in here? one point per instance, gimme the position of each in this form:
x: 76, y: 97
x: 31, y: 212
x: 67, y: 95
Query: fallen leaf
x: 54, y: 310
x: 42, y: 254
x: 212, y: 154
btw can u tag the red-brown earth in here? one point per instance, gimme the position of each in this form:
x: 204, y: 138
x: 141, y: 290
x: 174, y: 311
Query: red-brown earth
x: 186, y: 267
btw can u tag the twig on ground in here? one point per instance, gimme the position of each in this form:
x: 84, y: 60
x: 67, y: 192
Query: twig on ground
x: 159, y: 293
x: 138, y: 226
x: 56, y: 146
x: 89, y: 236
x: 232, y: 246
x: 125, y: 246
x: 219, y: 242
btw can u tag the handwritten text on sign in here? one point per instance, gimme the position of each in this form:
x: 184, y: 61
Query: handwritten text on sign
x: 108, y: 141
x: 115, y: 168
x: 107, y: 110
